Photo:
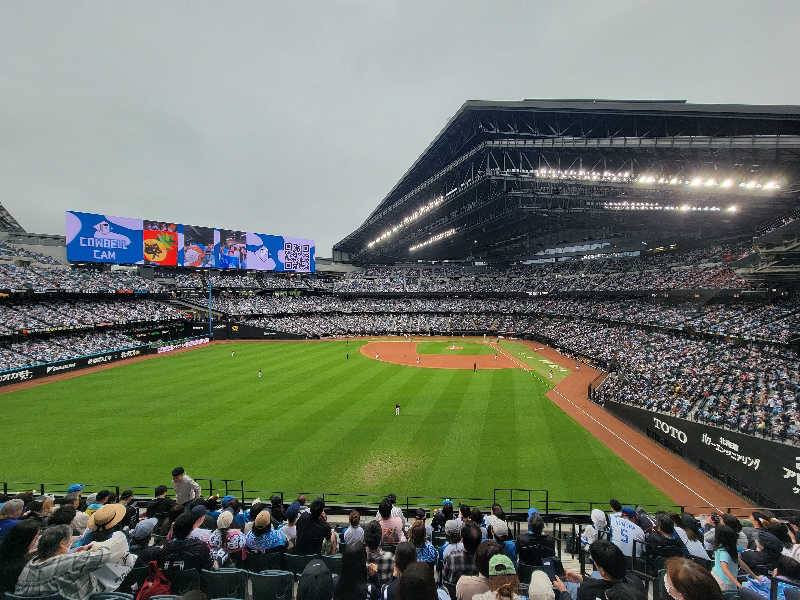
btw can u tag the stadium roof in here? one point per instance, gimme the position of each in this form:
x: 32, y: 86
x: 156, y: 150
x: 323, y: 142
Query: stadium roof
x: 8, y: 222
x: 586, y: 119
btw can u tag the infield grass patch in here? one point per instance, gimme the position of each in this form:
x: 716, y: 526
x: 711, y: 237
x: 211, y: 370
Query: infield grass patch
x: 459, y: 347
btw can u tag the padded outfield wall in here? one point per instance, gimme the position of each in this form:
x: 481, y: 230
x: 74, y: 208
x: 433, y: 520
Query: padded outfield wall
x: 761, y: 469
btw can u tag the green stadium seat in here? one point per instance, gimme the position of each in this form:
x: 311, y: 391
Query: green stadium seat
x: 225, y: 583
x: 258, y: 562
x: 272, y: 585
x: 297, y: 562
x: 183, y: 580
x: 334, y: 562
x: 524, y: 571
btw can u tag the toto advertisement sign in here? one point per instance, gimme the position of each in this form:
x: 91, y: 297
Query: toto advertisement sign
x: 767, y: 467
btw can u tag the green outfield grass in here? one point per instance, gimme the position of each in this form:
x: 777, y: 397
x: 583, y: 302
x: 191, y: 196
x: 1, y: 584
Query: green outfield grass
x: 465, y: 347
x: 538, y: 363
x: 314, y: 422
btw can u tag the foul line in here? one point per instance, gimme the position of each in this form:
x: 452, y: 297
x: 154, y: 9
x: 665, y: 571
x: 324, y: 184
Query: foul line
x: 635, y: 449
x: 615, y: 434
x: 513, y: 359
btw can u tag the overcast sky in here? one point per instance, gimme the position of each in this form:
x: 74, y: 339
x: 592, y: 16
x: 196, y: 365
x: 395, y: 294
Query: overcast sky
x: 296, y: 118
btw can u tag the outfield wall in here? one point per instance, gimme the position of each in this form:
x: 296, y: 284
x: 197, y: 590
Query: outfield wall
x: 73, y: 364
x: 761, y: 469
x: 170, y: 338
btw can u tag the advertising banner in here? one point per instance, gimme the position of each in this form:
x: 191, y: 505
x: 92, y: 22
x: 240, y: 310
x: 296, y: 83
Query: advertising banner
x: 763, y: 469
x: 102, y: 238
x: 65, y: 366
x: 277, y: 253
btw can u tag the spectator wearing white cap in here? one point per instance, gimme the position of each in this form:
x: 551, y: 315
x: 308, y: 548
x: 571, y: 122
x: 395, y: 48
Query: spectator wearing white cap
x: 225, y: 540
x: 498, y: 531
x: 452, y: 533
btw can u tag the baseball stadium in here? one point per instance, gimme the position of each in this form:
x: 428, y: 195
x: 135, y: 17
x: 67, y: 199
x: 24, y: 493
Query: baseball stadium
x: 562, y: 309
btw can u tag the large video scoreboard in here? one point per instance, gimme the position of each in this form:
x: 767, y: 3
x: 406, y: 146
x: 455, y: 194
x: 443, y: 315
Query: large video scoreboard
x: 122, y: 240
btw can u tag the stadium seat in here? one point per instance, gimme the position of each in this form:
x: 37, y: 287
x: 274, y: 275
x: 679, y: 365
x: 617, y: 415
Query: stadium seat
x: 791, y: 594
x: 272, y: 585
x: 297, y: 562
x: 258, y: 562
x: 111, y: 596
x: 183, y: 581
x: 225, y: 583
x: 334, y: 562
x: 524, y: 571
x: 10, y: 596
x: 163, y: 597
x: 659, y: 590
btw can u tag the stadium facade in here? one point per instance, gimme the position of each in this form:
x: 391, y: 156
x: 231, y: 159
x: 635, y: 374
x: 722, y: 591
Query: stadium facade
x: 509, y: 181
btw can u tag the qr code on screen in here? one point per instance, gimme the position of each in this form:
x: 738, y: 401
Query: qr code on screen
x: 297, y: 257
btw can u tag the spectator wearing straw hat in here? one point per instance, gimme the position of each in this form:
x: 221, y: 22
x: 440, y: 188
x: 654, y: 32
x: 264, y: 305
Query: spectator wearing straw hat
x: 102, y: 523
x: 263, y: 538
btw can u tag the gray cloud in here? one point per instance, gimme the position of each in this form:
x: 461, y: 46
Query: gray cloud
x: 297, y: 118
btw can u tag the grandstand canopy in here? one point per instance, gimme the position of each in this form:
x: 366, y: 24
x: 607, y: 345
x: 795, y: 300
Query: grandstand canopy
x: 8, y: 223
x: 508, y: 180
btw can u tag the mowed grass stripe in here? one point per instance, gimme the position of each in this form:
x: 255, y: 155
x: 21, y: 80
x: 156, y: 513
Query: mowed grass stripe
x: 538, y: 363
x: 315, y: 421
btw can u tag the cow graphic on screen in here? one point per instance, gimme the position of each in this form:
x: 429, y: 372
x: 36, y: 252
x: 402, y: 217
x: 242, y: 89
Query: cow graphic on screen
x: 103, y: 232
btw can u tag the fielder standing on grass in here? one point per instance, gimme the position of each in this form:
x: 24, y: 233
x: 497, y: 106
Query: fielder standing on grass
x: 233, y: 353
x: 475, y: 367
x: 396, y: 409
x: 260, y: 374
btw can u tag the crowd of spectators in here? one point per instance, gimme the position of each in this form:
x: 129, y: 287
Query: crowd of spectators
x: 50, y: 546
x: 198, y: 280
x: 707, y: 268
x: 73, y: 279
x: 10, y: 252
x: 73, y: 313
x: 45, y: 350
x: 777, y: 322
